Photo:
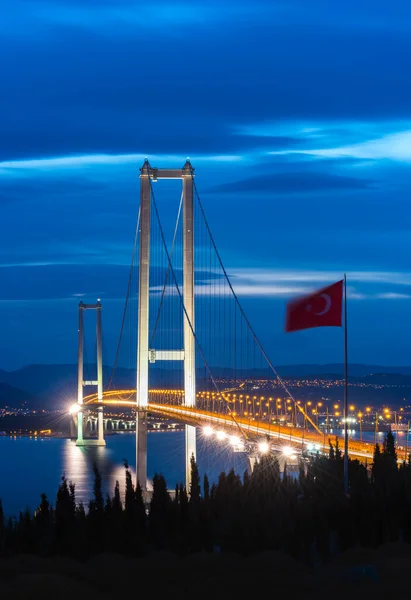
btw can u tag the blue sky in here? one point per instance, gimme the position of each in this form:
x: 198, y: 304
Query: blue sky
x: 296, y: 116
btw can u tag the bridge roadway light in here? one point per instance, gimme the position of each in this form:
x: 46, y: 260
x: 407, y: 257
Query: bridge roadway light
x: 234, y: 440
x: 288, y: 451
x: 207, y: 430
x: 75, y: 408
x: 221, y: 435
x: 263, y: 447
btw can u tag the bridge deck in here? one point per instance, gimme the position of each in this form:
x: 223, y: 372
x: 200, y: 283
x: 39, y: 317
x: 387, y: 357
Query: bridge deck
x: 295, y: 435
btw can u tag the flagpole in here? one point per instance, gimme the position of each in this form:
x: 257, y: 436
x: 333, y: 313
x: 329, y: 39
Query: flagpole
x: 345, y: 389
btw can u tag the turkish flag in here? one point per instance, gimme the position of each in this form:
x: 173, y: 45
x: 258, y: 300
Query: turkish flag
x: 321, y: 309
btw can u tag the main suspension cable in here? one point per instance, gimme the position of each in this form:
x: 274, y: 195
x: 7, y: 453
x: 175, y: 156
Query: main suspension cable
x: 257, y: 341
x: 130, y: 278
x: 243, y: 433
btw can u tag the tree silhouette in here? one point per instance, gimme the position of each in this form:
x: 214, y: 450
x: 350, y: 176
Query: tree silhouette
x: 160, y: 514
x: 2, y: 530
x: 195, y: 487
x: 308, y: 517
x: 65, y: 514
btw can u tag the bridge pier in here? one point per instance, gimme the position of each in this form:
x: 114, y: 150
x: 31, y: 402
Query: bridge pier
x: 190, y: 450
x: 141, y: 448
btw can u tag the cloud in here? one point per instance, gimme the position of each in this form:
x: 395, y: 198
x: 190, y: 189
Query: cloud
x: 108, y: 16
x: 39, y: 281
x: 343, y: 138
x: 396, y: 146
x: 362, y: 285
x: 35, y: 188
x: 394, y: 296
x: 101, y: 160
x: 101, y: 15
x: 293, y: 183
x: 75, y: 90
x: 320, y: 276
x: 60, y: 280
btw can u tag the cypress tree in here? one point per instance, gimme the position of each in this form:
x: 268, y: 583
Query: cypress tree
x: 129, y: 499
x: 97, y: 505
x: 65, y: 515
x: 109, y: 506
x: 10, y: 535
x: 113, y: 521
x: 25, y: 533
x: 376, y: 463
x: 43, y: 511
x: 195, y: 488
x: 141, y: 513
x: 206, y: 487
x: 116, y: 504
x: 389, y: 453
x: 95, y: 518
x: 160, y: 513
x: 44, y: 526
x: 246, y: 479
x: 80, y: 512
x: 182, y: 494
x: 2, y: 529
x: 130, y: 514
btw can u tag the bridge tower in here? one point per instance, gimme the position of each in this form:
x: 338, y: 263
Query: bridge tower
x: 144, y: 353
x: 81, y: 440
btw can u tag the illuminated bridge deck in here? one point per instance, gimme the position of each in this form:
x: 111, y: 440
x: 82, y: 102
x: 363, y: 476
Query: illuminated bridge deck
x: 249, y: 426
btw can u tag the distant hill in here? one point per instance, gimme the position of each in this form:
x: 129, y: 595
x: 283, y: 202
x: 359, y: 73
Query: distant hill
x: 355, y: 370
x: 15, y: 397
x: 55, y: 386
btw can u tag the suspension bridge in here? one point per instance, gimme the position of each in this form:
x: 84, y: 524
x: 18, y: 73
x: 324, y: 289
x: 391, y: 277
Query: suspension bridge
x: 197, y: 358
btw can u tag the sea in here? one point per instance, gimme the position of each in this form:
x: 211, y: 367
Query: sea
x: 30, y: 466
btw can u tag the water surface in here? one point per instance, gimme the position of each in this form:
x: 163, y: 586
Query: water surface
x: 30, y: 466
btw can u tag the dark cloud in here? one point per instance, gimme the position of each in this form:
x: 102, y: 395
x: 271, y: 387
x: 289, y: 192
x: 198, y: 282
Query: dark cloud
x: 78, y: 83
x: 78, y: 90
x: 297, y: 182
x: 12, y: 189
x: 65, y: 281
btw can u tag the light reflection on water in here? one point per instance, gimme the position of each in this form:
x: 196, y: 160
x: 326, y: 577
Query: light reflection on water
x: 30, y: 466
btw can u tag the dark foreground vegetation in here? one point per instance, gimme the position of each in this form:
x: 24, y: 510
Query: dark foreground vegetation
x: 240, y: 536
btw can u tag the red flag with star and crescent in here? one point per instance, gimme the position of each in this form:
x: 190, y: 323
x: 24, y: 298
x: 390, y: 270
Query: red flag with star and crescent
x: 320, y: 309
